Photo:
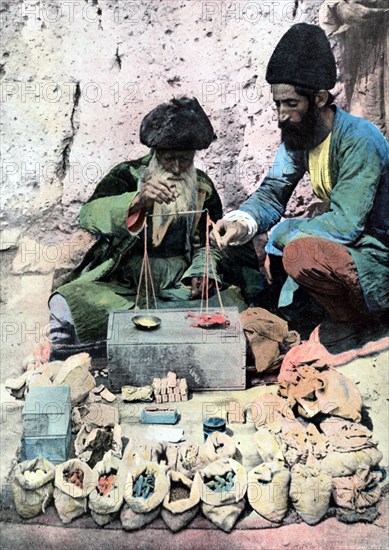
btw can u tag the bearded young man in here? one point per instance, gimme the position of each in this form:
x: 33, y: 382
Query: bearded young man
x: 340, y: 257
x: 160, y: 185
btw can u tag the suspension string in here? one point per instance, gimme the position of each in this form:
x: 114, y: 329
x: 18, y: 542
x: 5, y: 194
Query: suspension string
x: 152, y: 284
x: 146, y: 272
x: 216, y: 284
x: 139, y: 283
x: 209, y: 263
x: 207, y: 254
x: 145, y: 261
x: 204, y: 283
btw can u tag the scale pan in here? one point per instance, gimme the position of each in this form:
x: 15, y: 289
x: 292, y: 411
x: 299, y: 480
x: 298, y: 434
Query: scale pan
x: 146, y: 322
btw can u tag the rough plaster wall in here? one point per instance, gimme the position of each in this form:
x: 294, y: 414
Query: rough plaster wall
x: 77, y: 78
x: 359, y: 34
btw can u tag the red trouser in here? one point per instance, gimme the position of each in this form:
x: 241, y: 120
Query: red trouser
x: 327, y: 271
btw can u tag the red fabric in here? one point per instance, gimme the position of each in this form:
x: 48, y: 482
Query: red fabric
x: 327, y: 271
x: 313, y: 352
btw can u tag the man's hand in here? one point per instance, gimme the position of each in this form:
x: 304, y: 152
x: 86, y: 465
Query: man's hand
x: 197, y: 285
x: 230, y: 232
x: 155, y: 189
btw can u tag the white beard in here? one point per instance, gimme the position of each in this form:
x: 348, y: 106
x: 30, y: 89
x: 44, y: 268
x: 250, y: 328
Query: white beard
x: 167, y: 214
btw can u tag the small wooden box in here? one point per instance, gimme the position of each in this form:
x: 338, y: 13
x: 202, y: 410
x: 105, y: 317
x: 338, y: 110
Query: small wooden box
x: 47, y: 426
x: 209, y: 359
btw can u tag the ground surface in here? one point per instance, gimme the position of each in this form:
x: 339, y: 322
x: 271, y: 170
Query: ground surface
x: 24, y: 316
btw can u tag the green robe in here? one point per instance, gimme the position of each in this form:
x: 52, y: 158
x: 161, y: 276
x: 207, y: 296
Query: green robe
x: 107, y: 278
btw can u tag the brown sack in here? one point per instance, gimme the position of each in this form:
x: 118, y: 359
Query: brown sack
x: 138, y: 452
x: 179, y: 512
x: 75, y: 373
x: 339, y: 464
x: 268, y: 490
x: 105, y: 504
x: 323, y: 390
x: 222, y: 507
x: 264, y: 332
x: 184, y: 458
x: 310, y: 492
x: 267, y: 445
x: 142, y: 505
x: 131, y: 521
x: 347, y: 436
x: 31, y: 496
x: 220, y: 468
x: 292, y: 439
x: 71, y: 500
x: 358, y: 491
x: 224, y: 517
x: 91, y: 444
x: 270, y: 410
x: 138, y: 511
x: 218, y: 445
x: 351, y: 447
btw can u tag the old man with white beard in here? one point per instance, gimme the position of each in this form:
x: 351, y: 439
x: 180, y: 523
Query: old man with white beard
x: 160, y: 186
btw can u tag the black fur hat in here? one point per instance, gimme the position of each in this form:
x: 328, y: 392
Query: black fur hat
x: 303, y: 57
x: 180, y: 124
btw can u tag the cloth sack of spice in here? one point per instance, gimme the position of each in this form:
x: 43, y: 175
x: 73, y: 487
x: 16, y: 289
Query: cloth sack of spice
x: 270, y: 410
x: 264, y: 332
x: 137, y: 452
x: 91, y: 444
x: 135, y: 393
x: 183, y: 458
x: 267, y: 445
x: 131, y: 521
x: 218, y: 445
x: 73, y: 481
x: 222, y: 487
x: 146, y: 487
x: 339, y: 464
x: 318, y: 445
x: 358, y: 491
x: 33, y: 487
x: 322, y: 390
x: 292, y: 437
x: 310, y: 492
x: 268, y: 490
x: 106, y: 499
x: 224, y: 517
x: 95, y: 414
x: 351, y: 448
x: 75, y: 373
x: 181, y: 504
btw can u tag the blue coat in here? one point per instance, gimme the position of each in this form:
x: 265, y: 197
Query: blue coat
x: 358, y: 214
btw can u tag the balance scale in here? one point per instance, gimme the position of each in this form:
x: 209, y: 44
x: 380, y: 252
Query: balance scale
x: 210, y: 358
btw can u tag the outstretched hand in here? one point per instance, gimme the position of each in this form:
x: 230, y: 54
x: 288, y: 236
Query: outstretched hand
x: 229, y: 232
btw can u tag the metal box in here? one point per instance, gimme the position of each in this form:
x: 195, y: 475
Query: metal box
x: 47, y: 425
x: 209, y: 359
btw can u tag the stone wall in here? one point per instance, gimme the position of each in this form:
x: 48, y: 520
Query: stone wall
x: 78, y: 76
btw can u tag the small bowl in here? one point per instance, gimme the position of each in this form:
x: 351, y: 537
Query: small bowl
x: 146, y: 322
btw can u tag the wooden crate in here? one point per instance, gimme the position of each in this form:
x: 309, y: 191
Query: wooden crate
x: 47, y: 426
x: 210, y: 359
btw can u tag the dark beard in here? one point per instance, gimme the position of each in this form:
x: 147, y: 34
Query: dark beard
x: 300, y: 136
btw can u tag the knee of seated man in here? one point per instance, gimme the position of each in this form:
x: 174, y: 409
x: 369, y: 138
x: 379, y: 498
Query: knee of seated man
x: 300, y: 255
